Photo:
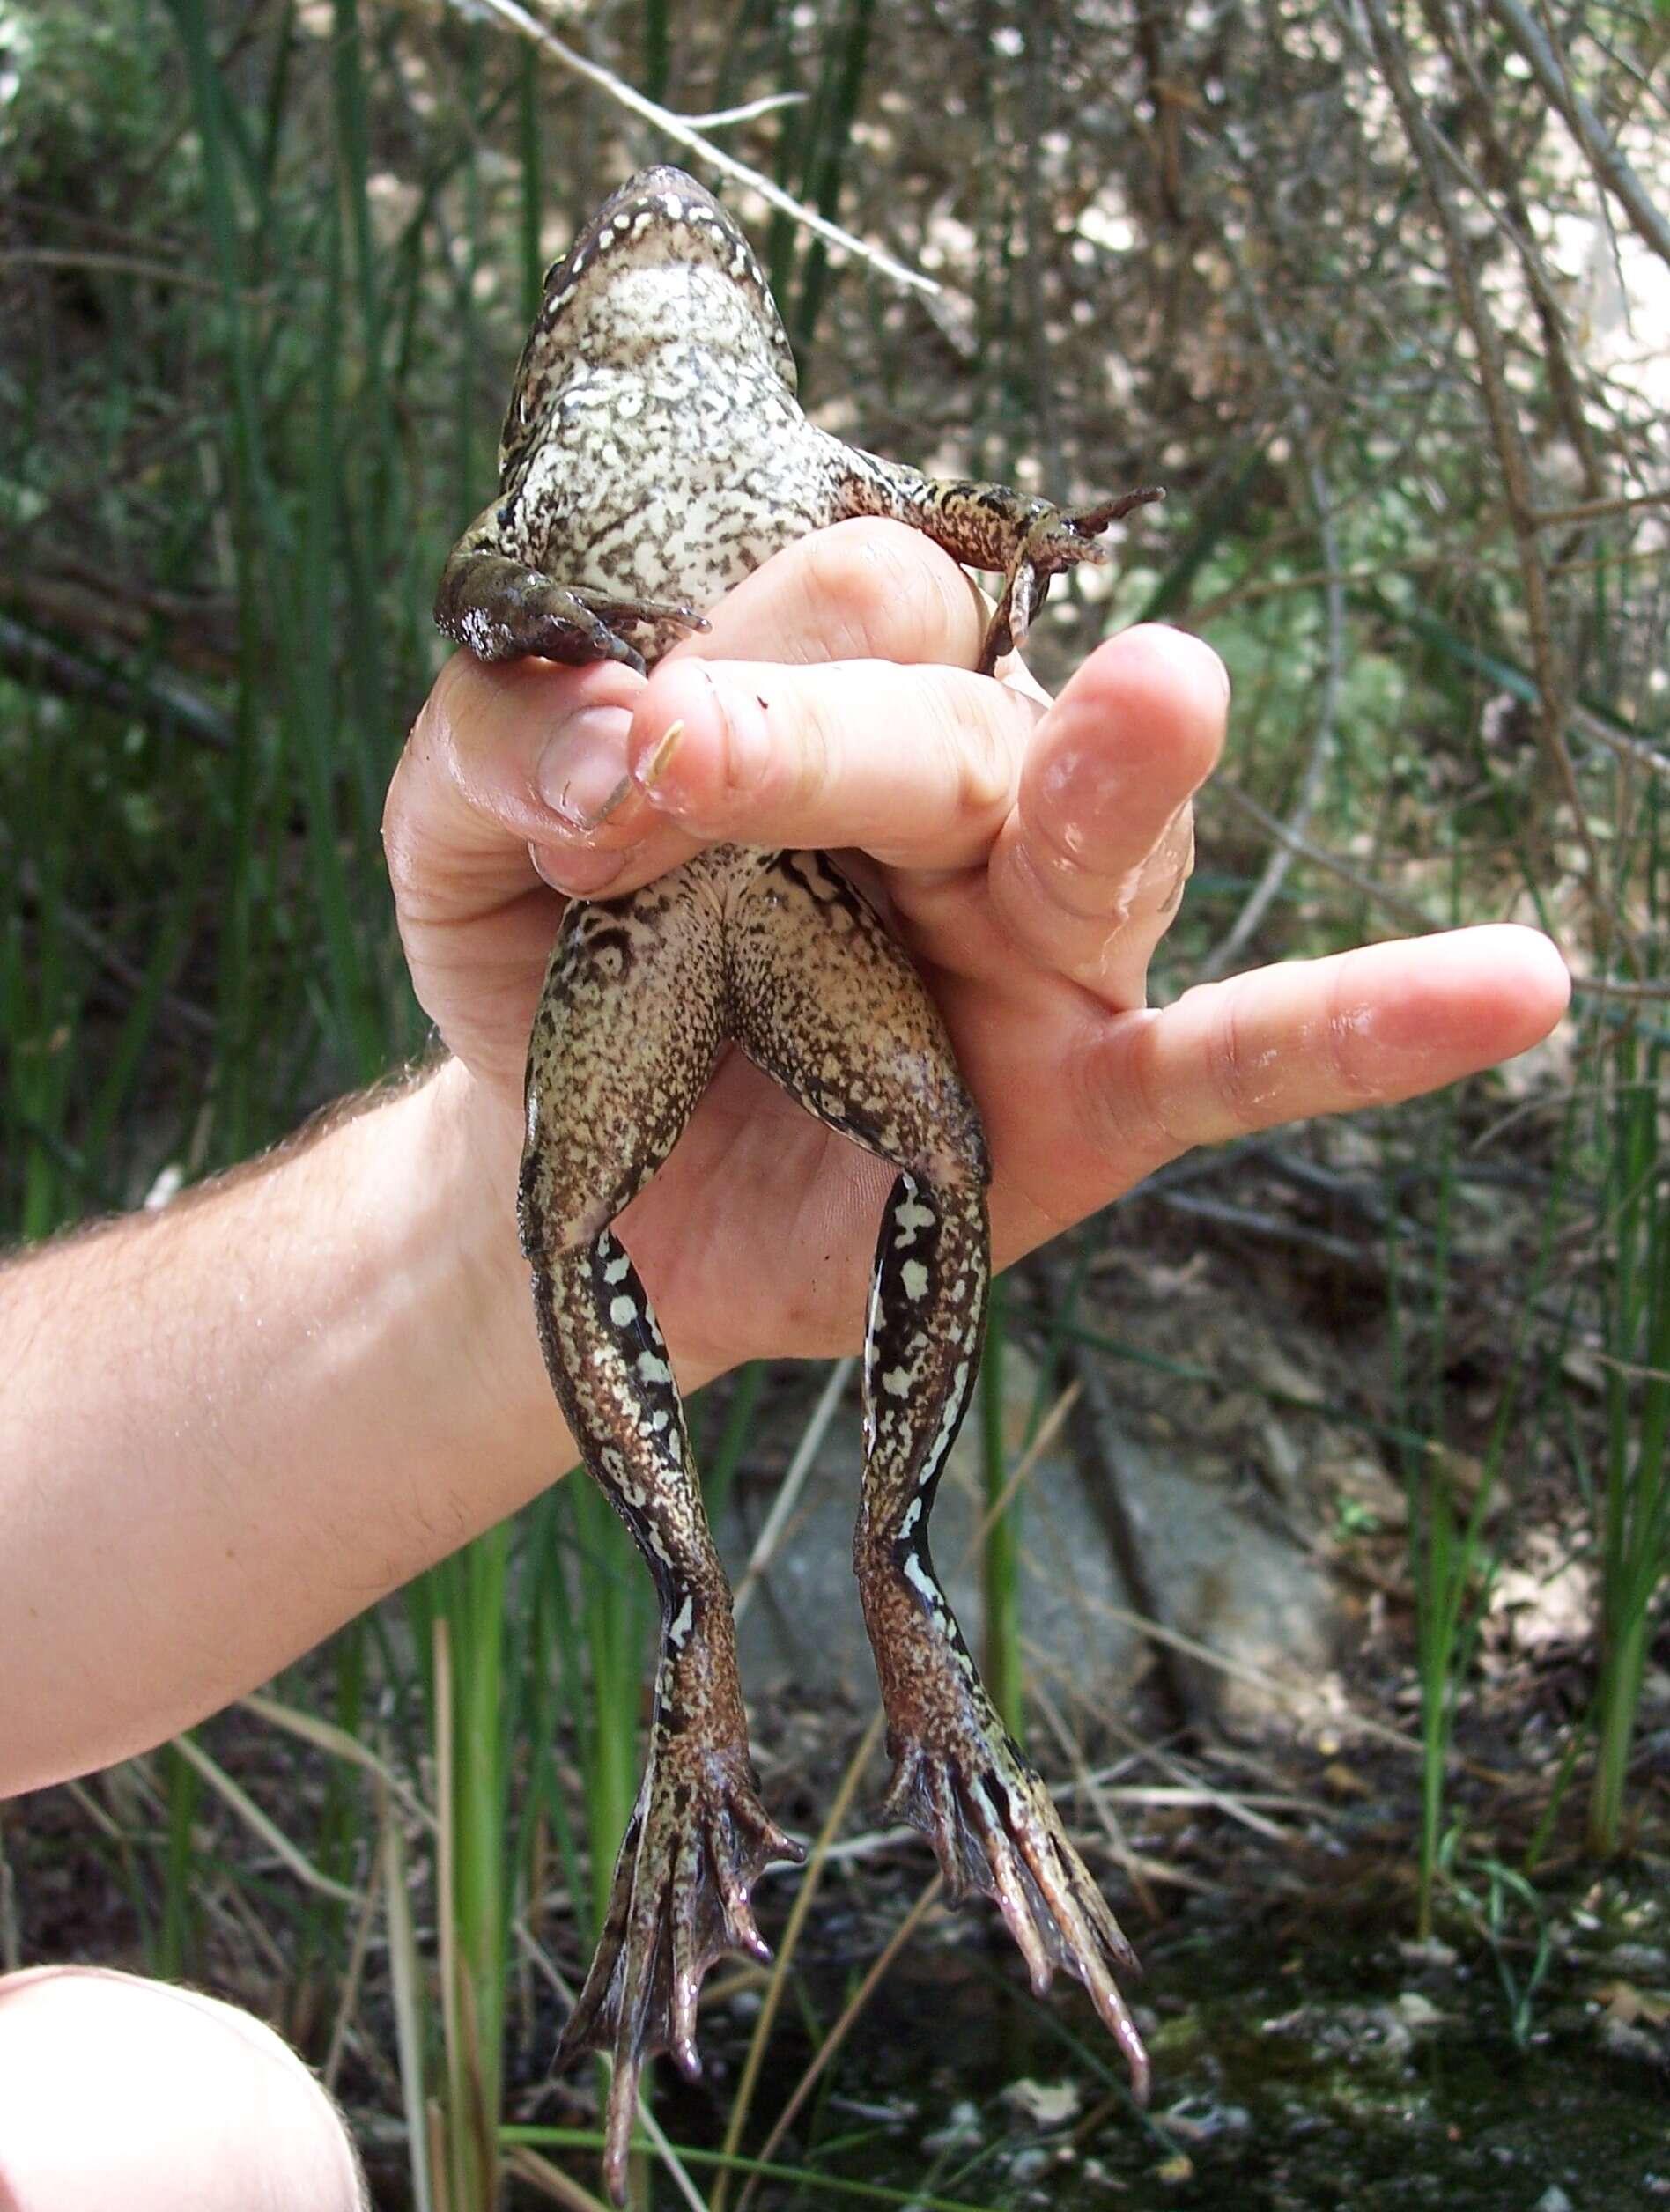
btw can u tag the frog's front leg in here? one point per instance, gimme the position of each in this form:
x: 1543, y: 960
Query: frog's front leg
x: 827, y: 1003
x: 987, y: 526
x: 631, y: 1017
x: 505, y: 609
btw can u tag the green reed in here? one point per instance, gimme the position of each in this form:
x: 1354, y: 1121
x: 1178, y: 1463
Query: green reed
x: 1631, y: 1500
x: 1452, y: 1556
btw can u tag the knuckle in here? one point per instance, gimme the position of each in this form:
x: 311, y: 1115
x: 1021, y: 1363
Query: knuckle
x: 892, y: 591
x: 841, y: 565
x: 1073, y: 889
x: 978, y: 755
x: 1352, y: 1085
x: 1233, y: 1066
x: 1243, y: 1060
x: 1130, y: 1112
x: 849, y: 578
x: 1051, y: 831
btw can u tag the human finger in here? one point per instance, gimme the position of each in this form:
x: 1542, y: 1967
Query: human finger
x: 865, y: 589
x: 544, y: 750
x: 462, y: 821
x: 1090, y: 864
x: 505, y: 769
x: 917, y: 765
x: 1368, y: 1027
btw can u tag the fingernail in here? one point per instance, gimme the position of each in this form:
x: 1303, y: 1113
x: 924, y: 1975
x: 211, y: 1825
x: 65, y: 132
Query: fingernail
x: 579, y: 870
x: 581, y: 774
x: 744, y: 750
x: 612, y: 805
x: 656, y: 767
x: 744, y: 718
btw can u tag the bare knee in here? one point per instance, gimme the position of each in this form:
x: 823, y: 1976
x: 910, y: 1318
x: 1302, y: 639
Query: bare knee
x: 114, y: 2091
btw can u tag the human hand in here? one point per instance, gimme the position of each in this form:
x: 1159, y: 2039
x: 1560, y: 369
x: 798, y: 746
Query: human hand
x: 1031, y: 854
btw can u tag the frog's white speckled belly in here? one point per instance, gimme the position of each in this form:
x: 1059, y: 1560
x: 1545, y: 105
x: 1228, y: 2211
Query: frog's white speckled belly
x: 694, y: 474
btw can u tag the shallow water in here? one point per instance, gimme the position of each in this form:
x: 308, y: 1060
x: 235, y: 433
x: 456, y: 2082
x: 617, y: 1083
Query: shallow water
x: 1288, y: 2077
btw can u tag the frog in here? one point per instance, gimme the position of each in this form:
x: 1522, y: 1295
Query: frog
x: 655, y: 453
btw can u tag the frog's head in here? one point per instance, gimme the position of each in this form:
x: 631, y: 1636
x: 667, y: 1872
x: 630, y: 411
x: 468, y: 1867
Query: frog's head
x: 660, y: 260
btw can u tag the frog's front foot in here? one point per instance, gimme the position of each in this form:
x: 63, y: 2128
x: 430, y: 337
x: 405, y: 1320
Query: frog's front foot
x: 665, y: 618
x: 1066, y: 524
x: 505, y: 610
x: 698, y: 1841
x: 1054, y: 539
x: 993, y: 1829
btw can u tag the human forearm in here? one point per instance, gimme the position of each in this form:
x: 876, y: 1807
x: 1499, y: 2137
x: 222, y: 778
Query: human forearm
x: 227, y: 1427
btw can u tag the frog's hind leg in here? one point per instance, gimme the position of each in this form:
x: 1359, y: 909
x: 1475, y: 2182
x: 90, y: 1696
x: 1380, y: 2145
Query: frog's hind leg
x: 829, y: 1005
x: 631, y: 1017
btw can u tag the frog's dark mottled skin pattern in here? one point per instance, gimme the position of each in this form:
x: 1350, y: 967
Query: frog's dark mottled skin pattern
x: 654, y: 453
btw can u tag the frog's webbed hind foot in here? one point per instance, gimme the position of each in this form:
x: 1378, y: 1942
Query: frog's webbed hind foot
x: 698, y: 1841
x: 958, y: 1776
x: 994, y: 1830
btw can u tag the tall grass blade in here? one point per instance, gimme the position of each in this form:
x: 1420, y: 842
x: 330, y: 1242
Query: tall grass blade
x: 406, y: 1981
x: 471, y: 2025
x: 1634, y: 1511
x: 175, y: 1934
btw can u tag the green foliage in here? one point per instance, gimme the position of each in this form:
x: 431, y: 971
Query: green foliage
x: 1510, y: 1915
x: 1632, y: 1501
x: 262, y: 276
x: 81, y: 104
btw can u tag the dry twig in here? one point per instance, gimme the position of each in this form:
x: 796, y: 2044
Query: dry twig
x: 684, y: 132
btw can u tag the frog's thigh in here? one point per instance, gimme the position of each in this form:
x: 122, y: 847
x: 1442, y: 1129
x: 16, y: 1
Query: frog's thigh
x: 629, y: 1023
x: 828, y: 1003
x: 622, y: 1044
x: 825, y: 1001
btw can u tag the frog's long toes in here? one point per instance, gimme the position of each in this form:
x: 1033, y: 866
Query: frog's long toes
x: 1070, y: 537
x: 734, y: 1884
x: 1104, y: 513
x: 617, y: 2124
x: 1067, y: 540
x: 697, y: 1842
x: 610, y: 647
x: 921, y: 1795
x: 677, y: 614
x: 686, y: 617
x: 688, y: 1968
x: 995, y: 1829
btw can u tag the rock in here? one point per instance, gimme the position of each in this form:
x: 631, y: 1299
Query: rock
x: 1044, y: 2104
x: 961, y: 2130
x: 1211, y: 1572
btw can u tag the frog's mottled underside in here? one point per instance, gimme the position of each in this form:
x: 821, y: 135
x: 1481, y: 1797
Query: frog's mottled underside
x: 654, y: 453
